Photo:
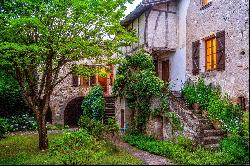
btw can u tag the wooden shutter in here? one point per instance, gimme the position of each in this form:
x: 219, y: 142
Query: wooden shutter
x: 220, y: 41
x: 196, y: 57
x: 75, y: 80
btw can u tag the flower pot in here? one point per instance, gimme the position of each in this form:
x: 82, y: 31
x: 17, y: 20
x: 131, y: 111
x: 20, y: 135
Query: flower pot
x: 205, y: 113
x: 196, y: 107
x: 216, y: 125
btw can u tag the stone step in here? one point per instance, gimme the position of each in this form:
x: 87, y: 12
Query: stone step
x: 211, y: 140
x: 110, y: 107
x: 212, y: 146
x: 109, y: 100
x: 109, y: 112
x: 213, y: 132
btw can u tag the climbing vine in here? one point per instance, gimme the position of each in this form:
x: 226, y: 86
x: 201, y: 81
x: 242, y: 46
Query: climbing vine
x: 137, y: 81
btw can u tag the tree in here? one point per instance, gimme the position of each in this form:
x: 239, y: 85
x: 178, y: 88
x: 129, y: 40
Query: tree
x: 39, y: 37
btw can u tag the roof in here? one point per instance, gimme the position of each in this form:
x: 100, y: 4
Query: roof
x: 141, y: 8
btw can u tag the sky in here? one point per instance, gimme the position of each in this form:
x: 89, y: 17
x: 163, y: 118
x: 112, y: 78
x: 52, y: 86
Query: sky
x: 131, y: 7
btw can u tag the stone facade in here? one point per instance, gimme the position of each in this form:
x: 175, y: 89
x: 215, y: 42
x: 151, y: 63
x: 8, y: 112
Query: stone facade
x: 65, y: 92
x: 166, y: 30
x: 232, y: 17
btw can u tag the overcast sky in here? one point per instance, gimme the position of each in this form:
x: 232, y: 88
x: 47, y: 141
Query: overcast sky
x: 131, y: 7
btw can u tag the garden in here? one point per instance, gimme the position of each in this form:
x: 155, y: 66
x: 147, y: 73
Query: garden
x: 39, y: 38
x: 91, y: 144
x: 204, y: 99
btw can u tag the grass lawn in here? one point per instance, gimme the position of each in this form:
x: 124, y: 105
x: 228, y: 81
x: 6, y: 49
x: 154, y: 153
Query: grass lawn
x: 23, y: 150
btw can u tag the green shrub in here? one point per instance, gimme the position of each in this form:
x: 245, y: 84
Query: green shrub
x: 175, y: 121
x: 12, y: 102
x: 197, y: 92
x: 245, y: 127
x: 22, y: 123
x: 227, y: 113
x: 186, y: 143
x: 179, y: 151
x: 112, y: 126
x: 92, y: 126
x: 137, y: 74
x: 236, y: 148
x: 189, y: 93
x: 3, y: 127
x: 203, y: 91
x: 77, y: 148
x: 93, y: 104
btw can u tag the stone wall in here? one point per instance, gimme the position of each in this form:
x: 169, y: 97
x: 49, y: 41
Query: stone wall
x: 63, y: 94
x: 161, y: 128
x: 231, y: 16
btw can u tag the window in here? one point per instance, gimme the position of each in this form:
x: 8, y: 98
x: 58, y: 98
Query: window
x: 206, y: 2
x: 211, y: 62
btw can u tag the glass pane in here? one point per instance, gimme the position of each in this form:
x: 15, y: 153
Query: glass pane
x: 214, y: 61
x: 208, y: 43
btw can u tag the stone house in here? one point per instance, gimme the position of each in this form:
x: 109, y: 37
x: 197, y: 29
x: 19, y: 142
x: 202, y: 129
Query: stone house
x: 188, y: 39
x: 67, y: 97
x: 218, y: 46
x: 160, y: 26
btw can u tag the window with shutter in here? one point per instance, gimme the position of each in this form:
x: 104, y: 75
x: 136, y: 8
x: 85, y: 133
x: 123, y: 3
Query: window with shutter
x: 75, y: 80
x: 220, y: 40
x: 195, y: 57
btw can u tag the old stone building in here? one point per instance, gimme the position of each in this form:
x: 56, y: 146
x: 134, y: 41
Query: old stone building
x: 189, y: 39
x: 66, y: 100
x: 161, y: 28
x: 218, y: 45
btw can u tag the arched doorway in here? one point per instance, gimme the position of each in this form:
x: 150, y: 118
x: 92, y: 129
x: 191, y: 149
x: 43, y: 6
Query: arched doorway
x: 73, y: 112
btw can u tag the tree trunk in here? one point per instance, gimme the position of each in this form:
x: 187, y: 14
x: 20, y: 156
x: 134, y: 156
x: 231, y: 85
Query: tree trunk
x: 42, y: 130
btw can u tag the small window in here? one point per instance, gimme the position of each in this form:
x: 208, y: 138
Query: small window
x: 211, y: 62
x: 206, y: 2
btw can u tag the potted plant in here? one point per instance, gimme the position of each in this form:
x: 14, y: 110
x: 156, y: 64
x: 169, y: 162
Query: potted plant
x: 190, y: 96
x: 216, y: 124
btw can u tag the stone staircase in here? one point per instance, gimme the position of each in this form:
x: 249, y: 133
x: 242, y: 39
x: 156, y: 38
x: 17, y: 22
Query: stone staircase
x: 109, y: 108
x: 205, y: 134
x: 209, y: 136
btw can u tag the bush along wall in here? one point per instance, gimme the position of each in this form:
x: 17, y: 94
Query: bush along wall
x: 93, y: 104
x: 233, y: 119
x: 137, y: 74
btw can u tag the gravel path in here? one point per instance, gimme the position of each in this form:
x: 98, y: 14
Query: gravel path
x: 148, y: 158
x: 35, y: 132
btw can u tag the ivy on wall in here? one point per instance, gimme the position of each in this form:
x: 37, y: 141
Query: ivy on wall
x: 137, y: 81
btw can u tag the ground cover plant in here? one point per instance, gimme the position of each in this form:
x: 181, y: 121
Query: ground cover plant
x: 22, y: 150
x: 182, y: 151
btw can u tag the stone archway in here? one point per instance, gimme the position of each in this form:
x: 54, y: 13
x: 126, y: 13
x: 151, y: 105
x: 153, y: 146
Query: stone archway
x: 73, y: 112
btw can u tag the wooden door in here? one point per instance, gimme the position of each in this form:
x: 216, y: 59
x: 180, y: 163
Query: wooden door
x: 165, y: 70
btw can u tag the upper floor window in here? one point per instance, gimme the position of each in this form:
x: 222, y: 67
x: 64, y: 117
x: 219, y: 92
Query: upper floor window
x: 206, y: 2
x: 211, y: 62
